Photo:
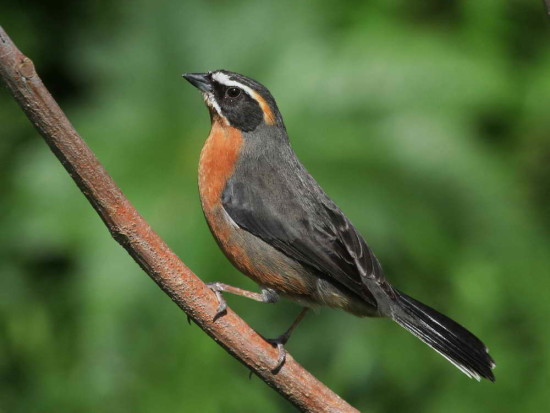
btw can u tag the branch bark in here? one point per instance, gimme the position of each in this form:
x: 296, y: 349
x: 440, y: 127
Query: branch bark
x: 131, y: 231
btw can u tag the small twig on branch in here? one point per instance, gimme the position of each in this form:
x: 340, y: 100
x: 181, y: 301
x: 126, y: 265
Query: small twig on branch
x: 131, y: 231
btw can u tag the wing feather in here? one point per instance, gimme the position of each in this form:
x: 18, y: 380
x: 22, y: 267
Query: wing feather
x: 301, y: 221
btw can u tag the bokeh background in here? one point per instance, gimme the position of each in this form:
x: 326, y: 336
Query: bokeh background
x: 427, y: 122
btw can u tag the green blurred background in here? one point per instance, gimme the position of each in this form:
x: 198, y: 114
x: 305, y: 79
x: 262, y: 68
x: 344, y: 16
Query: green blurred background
x: 427, y: 122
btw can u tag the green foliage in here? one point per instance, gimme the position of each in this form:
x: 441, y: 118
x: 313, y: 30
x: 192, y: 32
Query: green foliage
x: 427, y: 123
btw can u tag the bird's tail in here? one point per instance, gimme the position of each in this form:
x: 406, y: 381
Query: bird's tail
x: 445, y: 336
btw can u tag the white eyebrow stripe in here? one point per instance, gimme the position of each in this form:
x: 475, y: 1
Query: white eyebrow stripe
x: 223, y: 79
x: 226, y: 81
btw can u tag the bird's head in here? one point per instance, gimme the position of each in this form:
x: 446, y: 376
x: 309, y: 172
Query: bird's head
x: 236, y: 99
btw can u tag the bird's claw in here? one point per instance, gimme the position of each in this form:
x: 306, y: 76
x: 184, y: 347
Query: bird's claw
x: 222, y: 304
x: 279, y: 342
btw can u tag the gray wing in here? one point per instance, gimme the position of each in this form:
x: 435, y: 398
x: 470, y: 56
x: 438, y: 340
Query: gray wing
x: 294, y: 215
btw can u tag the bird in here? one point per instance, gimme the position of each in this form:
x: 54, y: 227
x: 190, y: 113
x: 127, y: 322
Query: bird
x: 276, y: 225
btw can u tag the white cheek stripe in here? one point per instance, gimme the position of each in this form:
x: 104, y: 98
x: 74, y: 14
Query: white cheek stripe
x: 210, y: 101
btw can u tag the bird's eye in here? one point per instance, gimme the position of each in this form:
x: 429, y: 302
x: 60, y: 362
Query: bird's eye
x: 233, y: 92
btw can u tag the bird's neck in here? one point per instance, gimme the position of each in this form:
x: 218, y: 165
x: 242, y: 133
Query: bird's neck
x: 217, y: 161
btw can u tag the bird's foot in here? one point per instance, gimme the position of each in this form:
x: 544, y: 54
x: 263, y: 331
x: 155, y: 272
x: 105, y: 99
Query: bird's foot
x: 217, y: 288
x: 279, y: 342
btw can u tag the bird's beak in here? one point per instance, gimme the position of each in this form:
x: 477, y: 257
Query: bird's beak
x: 200, y: 80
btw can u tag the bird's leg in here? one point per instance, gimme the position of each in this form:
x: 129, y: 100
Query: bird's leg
x: 266, y: 296
x: 280, y: 341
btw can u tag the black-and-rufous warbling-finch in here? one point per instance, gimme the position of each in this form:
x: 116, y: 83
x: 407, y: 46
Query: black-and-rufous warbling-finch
x: 276, y: 225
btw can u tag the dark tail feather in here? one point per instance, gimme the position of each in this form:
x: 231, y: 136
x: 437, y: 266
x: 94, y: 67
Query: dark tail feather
x: 445, y: 336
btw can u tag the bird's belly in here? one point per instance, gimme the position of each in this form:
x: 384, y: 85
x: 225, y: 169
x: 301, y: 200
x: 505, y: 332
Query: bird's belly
x: 270, y: 268
x: 255, y: 258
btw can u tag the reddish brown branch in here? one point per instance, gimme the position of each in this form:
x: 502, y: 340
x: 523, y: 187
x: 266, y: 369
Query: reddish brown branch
x: 131, y: 231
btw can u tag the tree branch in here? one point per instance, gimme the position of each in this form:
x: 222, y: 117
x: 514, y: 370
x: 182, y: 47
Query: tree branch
x: 131, y: 231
